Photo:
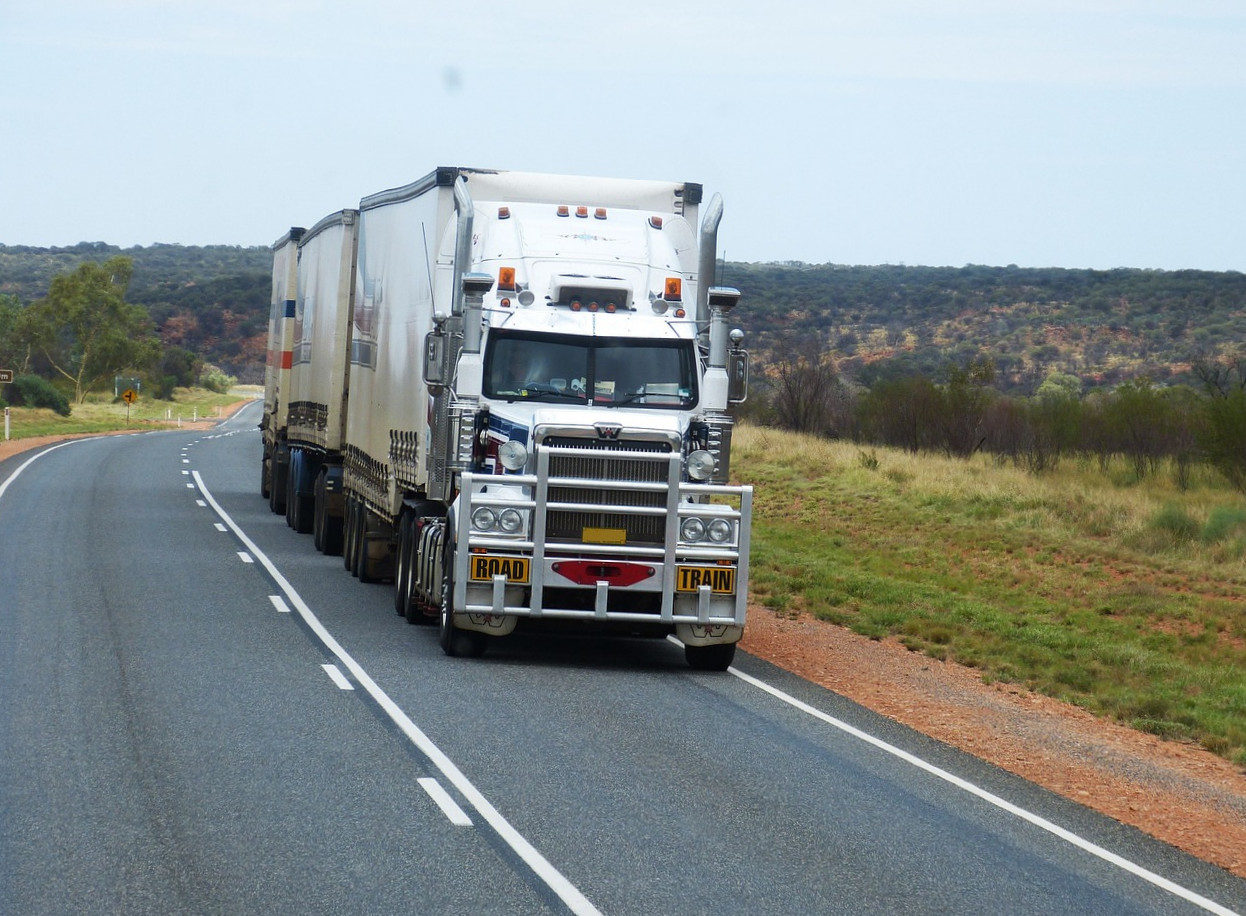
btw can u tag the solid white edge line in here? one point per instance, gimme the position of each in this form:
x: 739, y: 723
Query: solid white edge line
x: 566, y: 891
x: 32, y: 459
x: 449, y: 807
x: 1068, y: 836
x: 337, y: 677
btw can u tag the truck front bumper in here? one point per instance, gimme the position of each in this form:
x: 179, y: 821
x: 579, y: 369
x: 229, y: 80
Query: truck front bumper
x: 699, y: 589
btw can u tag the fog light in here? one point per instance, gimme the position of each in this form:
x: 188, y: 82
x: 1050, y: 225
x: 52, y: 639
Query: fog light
x: 701, y: 465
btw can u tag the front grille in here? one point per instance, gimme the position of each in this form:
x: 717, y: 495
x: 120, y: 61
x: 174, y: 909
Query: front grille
x: 620, y: 466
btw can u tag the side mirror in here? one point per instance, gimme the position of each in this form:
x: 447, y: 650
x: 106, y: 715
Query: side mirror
x: 737, y: 376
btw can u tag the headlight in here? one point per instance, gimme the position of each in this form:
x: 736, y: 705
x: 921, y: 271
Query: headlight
x: 701, y: 465
x: 513, y: 455
x: 720, y: 530
x: 483, y: 519
x: 692, y: 529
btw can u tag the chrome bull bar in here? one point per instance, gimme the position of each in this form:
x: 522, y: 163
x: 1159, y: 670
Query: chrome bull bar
x: 679, y: 500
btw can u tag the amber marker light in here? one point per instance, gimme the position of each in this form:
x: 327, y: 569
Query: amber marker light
x: 674, y: 289
x: 506, y: 278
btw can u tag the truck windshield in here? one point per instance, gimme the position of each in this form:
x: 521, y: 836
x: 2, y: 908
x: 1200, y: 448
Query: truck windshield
x: 607, y: 371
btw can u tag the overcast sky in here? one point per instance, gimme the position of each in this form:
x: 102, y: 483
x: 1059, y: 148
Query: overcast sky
x: 1069, y: 133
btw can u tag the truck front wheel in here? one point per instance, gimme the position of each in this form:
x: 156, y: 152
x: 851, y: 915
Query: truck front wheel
x: 716, y: 657
x: 455, y: 642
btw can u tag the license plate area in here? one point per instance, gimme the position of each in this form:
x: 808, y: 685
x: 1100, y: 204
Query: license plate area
x: 483, y: 567
x: 720, y: 579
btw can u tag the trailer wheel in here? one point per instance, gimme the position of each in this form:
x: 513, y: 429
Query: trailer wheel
x: 402, y: 568
x: 279, y: 468
x: 318, y: 513
x: 349, y: 525
x: 329, y: 538
x: 716, y: 657
x: 455, y: 642
x: 365, y: 568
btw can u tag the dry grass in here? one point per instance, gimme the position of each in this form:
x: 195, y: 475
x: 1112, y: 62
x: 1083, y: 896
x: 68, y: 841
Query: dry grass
x: 1124, y: 596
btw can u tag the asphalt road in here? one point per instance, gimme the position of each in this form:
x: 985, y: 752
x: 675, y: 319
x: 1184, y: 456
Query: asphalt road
x: 201, y: 714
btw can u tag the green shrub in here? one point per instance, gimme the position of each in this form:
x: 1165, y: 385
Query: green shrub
x: 1177, y: 522
x: 1223, y: 523
x: 214, y: 379
x: 33, y: 391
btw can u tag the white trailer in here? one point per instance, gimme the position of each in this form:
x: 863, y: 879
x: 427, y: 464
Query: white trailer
x: 274, y: 463
x: 536, y: 425
x: 320, y: 378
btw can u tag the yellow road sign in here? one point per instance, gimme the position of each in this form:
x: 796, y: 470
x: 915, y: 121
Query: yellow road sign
x: 129, y: 395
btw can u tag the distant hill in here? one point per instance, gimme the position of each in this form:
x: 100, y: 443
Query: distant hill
x: 211, y: 300
x: 1104, y: 326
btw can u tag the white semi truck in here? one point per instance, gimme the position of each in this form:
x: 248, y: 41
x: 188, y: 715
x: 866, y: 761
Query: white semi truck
x: 508, y: 392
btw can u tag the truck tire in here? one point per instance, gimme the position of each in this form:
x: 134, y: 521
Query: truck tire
x: 318, y: 513
x: 349, y: 525
x: 327, y: 528
x: 402, y: 567
x: 455, y: 643
x: 716, y: 657
x: 292, y: 500
x: 279, y: 470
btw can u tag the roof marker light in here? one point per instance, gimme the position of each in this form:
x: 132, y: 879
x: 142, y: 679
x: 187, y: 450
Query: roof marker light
x: 655, y: 222
x: 563, y: 210
x: 581, y: 212
x: 506, y: 278
x: 600, y: 213
x: 504, y: 212
x: 674, y: 289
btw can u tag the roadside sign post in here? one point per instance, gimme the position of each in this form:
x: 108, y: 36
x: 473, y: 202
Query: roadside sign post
x: 129, y: 396
x: 6, y: 376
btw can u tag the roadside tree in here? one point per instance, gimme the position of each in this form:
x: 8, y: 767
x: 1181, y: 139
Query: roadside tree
x: 85, y: 329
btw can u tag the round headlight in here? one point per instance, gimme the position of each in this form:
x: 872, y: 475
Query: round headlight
x: 483, y: 519
x: 510, y: 521
x: 720, y: 530
x: 701, y: 465
x: 513, y: 455
x: 692, y: 529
